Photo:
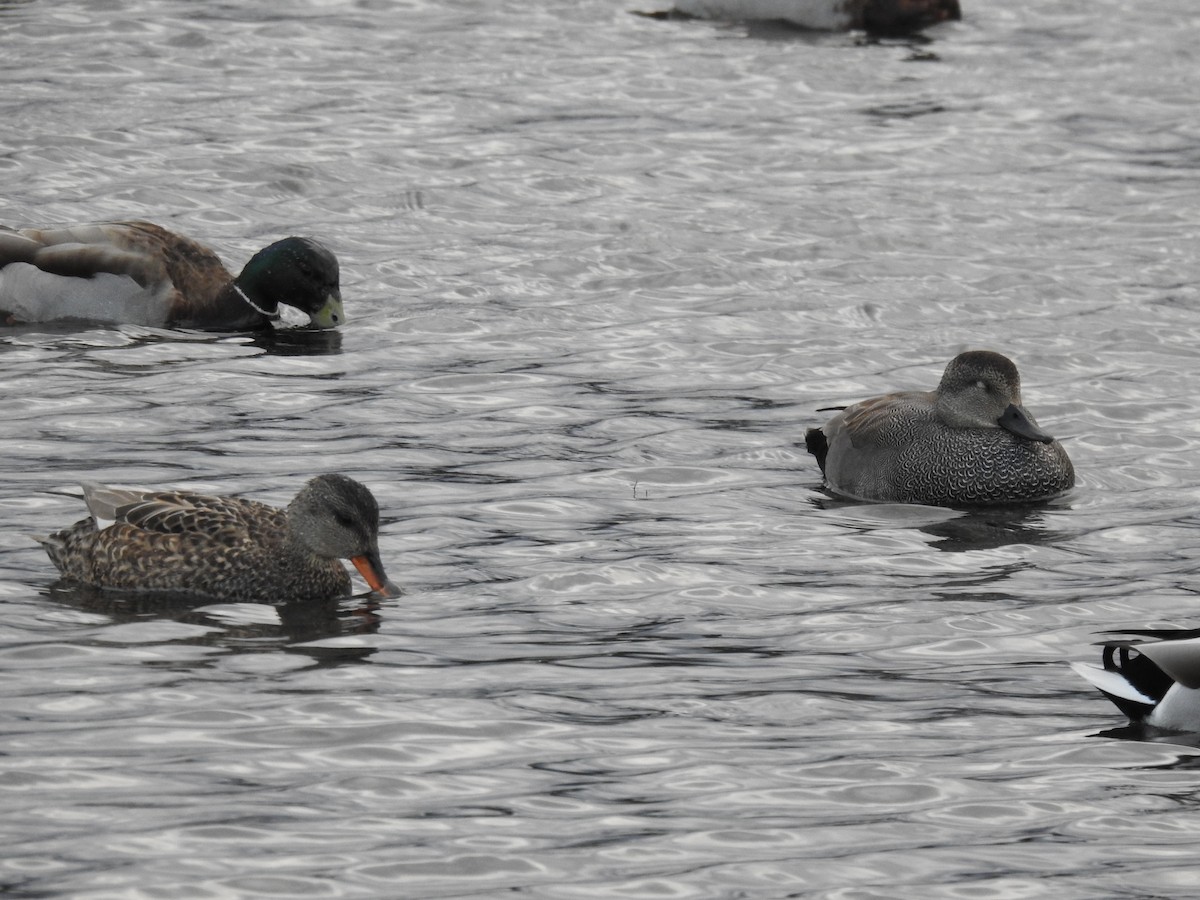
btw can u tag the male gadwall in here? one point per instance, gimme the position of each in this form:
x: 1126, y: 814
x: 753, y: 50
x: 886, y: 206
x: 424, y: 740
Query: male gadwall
x: 135, y: 273
x: 969, y: 443
x: 225, y: 547
x: 1155, y: 683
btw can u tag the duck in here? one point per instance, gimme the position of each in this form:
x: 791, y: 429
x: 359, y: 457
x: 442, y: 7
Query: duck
x: 226, y: 548
x: 887, y: 17
x: 968, y: 443
x: 1155, y: 682
x: 139, y: 273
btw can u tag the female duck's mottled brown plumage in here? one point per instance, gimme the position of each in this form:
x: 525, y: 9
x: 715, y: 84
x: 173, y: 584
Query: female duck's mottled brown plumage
x: 142, y: 274
x: 224, y: 547
x: 969, y: 443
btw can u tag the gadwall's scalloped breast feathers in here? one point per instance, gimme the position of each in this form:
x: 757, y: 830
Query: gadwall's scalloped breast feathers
x: 225, y: 547
x: 1155, y: 682
x: 969, y: 443
x: 138, y: 273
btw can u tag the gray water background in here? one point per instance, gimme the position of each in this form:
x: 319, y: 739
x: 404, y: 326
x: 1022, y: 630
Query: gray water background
x: 601, y: 273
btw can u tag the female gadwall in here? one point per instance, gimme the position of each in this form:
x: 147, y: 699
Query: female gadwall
x: 135, y: 273
x: 1155, y: 683
x: 224, y: 547
x: 969, y: 443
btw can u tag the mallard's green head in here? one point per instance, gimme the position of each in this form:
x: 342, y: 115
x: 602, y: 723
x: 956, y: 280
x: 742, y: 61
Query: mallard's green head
x: 296, y: 272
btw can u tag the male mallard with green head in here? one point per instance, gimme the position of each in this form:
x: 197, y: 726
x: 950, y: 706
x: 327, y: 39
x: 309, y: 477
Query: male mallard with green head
x: 137, y: 273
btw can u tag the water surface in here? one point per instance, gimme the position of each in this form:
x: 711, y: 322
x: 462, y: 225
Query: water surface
x: 601, y: 273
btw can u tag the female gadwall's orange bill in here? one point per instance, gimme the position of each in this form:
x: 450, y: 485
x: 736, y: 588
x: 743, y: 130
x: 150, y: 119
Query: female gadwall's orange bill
x: 224, y: 547
x: 968, y: 443
x: 877, y: 16
x: 1156, y: 683
x: 135, y: 273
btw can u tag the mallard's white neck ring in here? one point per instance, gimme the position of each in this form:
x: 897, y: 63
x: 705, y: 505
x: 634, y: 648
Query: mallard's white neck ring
x: 254, y: 306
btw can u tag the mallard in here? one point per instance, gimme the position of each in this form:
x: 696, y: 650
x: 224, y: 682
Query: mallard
x: 142, y: 274
x: 968, y: 443
x: 877, y: 16
x: 224, y: 547
x: 1155, y: 682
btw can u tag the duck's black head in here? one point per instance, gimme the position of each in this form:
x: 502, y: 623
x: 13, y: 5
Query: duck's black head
x: 895, y: 17
x: 297, y: 272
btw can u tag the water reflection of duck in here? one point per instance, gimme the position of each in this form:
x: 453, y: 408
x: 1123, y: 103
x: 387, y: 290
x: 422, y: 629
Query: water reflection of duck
x: 141, y: 274
x: 304, y: 625
x: 985, y: 528
x: 877, y: 16
x: 224, y: 547
x: 954, y: 530
x: 968, y: 443
x: 1155, y: 682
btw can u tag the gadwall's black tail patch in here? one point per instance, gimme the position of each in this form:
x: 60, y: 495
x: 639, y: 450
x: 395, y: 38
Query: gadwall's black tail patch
x: 816, y: 444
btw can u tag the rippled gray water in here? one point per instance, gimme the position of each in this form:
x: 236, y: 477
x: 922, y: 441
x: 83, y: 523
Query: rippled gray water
x: 602, y: 271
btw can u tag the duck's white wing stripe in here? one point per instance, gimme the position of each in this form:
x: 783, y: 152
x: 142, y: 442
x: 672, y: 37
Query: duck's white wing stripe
x: 1112, y: 683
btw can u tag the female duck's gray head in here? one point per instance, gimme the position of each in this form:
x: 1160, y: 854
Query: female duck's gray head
x: 981, y: 389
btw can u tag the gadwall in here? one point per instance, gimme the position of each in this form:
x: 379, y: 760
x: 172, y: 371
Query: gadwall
x: 1155, y: 683
x: 969, y: 443
x: 225, y: 547
x: 136, y: 273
